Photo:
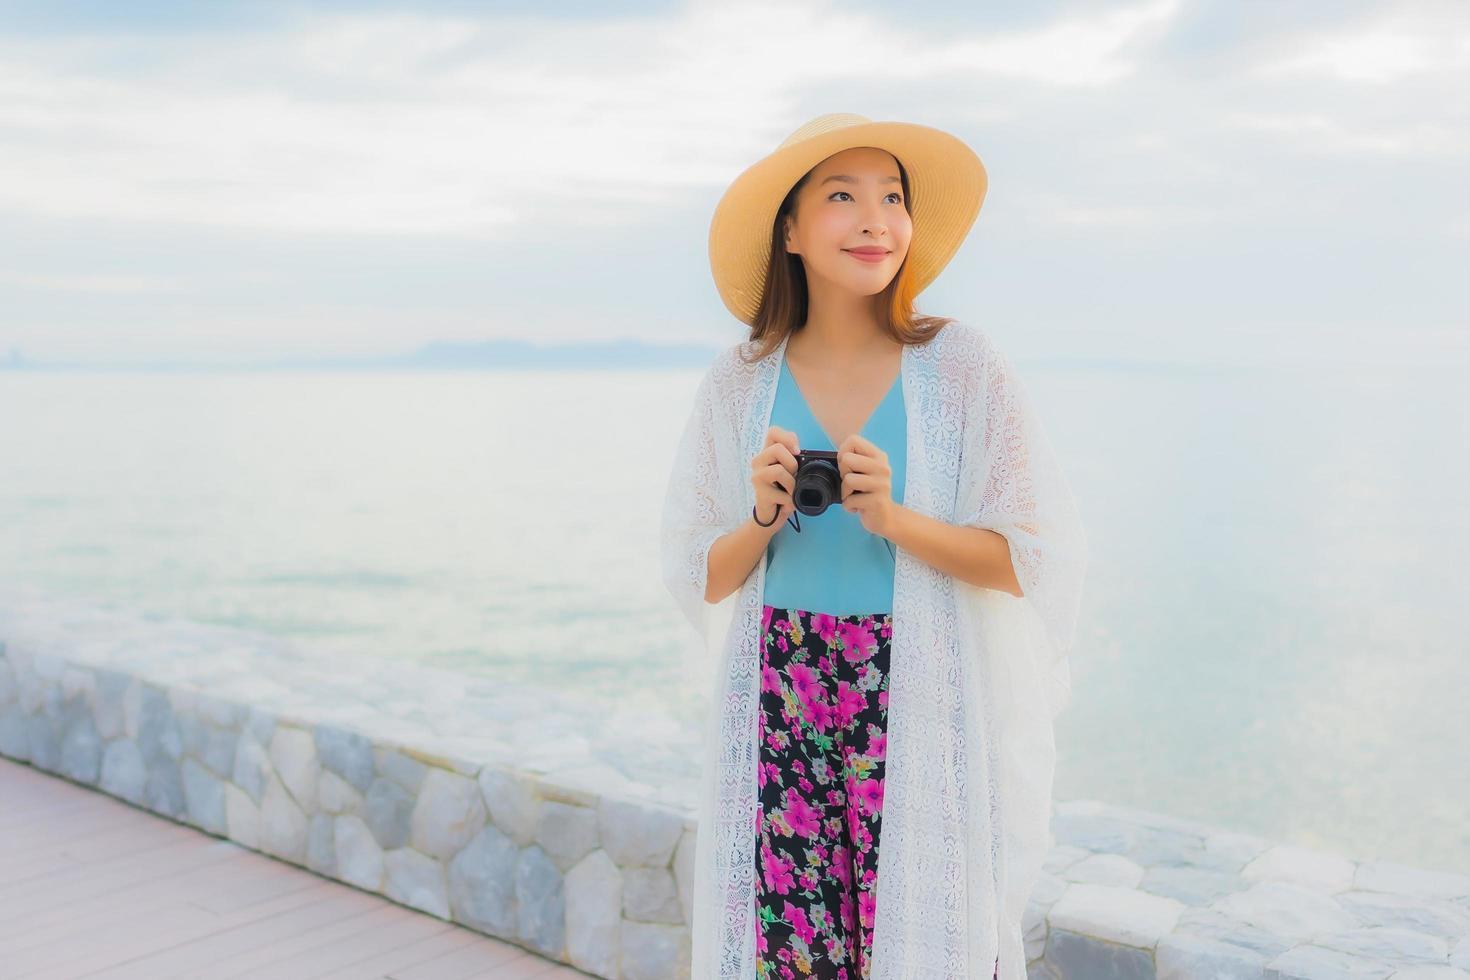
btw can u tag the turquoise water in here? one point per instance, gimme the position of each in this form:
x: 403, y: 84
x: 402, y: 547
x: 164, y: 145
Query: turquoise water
x: 1275, y: 637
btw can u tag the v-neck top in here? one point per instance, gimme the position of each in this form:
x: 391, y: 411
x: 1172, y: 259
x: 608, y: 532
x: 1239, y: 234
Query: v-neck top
x: 833, y: 564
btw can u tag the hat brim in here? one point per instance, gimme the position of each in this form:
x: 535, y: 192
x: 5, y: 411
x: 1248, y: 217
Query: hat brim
x: 947, y: 184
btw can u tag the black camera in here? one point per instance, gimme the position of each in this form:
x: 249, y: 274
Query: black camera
x: 818, y: 481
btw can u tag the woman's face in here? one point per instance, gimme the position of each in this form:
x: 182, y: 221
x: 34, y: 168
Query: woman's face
x: 853, y: 200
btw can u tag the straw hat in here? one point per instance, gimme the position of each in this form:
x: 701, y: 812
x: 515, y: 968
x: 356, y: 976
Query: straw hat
x: 947, y: 185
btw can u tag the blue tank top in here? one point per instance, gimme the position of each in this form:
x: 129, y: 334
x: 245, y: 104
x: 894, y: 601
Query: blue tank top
x: 833, y: 565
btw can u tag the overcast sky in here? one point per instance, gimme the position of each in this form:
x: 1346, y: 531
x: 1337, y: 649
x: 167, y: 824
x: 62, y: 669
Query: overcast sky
x: 1167, y: 179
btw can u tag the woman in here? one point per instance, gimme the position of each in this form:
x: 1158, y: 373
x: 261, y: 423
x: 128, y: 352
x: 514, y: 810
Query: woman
x: 879, y: 762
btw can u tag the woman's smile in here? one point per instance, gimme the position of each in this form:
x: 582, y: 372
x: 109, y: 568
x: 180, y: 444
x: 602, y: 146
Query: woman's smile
x: 868, y: 253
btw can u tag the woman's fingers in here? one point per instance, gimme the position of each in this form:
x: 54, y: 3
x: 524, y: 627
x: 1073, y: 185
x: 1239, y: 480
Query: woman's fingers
x: 785, y: 457
x: 860, y: 483
x: 776, y: 435
x: 773, y: 470
x: 778, y: 449
x: 777, y: 476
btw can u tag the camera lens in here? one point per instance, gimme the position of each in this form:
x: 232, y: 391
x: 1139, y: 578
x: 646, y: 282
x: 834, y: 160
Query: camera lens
x: 818, y: 484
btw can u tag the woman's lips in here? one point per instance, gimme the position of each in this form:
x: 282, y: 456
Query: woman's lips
x: 867, y: 256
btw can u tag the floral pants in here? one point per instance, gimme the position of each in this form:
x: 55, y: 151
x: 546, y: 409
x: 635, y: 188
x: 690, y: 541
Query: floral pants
x: 824, y: 710
x: 824, y: 739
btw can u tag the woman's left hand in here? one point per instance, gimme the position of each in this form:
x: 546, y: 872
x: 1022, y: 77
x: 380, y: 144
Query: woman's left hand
x: 867, y: 483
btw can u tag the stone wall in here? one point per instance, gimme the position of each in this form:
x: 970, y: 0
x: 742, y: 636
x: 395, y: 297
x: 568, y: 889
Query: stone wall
x: 481, y: 806
x: 561, y: 864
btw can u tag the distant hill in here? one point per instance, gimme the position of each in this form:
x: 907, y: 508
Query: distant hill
x: 439, y: 355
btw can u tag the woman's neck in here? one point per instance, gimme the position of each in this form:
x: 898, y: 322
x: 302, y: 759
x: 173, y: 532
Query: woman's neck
x: 838, y: 341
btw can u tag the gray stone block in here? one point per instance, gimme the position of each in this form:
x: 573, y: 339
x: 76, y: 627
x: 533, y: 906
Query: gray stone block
x: 387, y: 809
x: 347, y: 754
x: 1182, y: 956
x: 165, y: 790
x: 482, y: 884
x: 417, y: 880
x: 321, y: 845
x: 649, y: 895
x: 594, y: 903
x: 204, y: 797
x: 637, y: 833
x: 1087, y: 958
x: 566, y: 833
x: 81, y: 749
x: 540, y: 911
x: 1308, y: 962
x: 123, y: 773
x: 654, y: 952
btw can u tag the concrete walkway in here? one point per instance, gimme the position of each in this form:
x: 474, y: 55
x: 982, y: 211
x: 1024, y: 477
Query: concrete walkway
x: 91, y: 886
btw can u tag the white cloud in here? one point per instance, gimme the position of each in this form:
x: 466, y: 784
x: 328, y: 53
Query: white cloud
x: 1405, y: 40
x: 1316, y: 132
x: 1089, y: 50
x: 408, y: 124
x: 1056, y: 210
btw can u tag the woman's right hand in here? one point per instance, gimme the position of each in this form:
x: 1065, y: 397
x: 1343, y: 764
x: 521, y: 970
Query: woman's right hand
x: 773, y: 474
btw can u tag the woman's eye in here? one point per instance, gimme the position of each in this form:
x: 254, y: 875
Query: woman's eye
x: 893, y: 194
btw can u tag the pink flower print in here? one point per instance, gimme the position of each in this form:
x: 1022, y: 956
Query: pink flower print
x: 805, y: 683
x: 883, y: 698
x: 777, y: 871
x: 803, y: 820
x: 877, y: 743
x: 820, y: 715
x: 841, y: 865
x: 808, y: 882
x: 825, y: 626
x: 867, y: 904
x: 858, y: 642
x: 845, y: 909
x: 760, y: 941
x: 835, y: 797
x: 797, y: 766
x: 796, y: 915
x: 849, y: 702
x: 786, y: 972
x: 766, y: 612
x: 820, y: 851
x: 770, y: 680
x: 805, y: 784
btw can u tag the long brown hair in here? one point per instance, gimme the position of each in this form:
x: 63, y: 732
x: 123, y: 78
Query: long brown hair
x: 783, y: 307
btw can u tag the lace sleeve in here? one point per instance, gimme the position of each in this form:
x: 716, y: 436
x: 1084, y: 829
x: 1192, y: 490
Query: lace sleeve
x: 1011, y: 483
x: 698, y: 504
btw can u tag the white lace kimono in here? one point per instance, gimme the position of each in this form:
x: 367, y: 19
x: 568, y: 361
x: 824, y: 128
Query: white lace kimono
x: 977, y: 675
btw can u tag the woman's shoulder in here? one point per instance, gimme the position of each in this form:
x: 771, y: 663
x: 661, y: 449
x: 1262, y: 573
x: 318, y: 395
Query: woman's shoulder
x: 730, y: 371
x: 737, y: 363
x: 963, y: 347
x: 962, y: 335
